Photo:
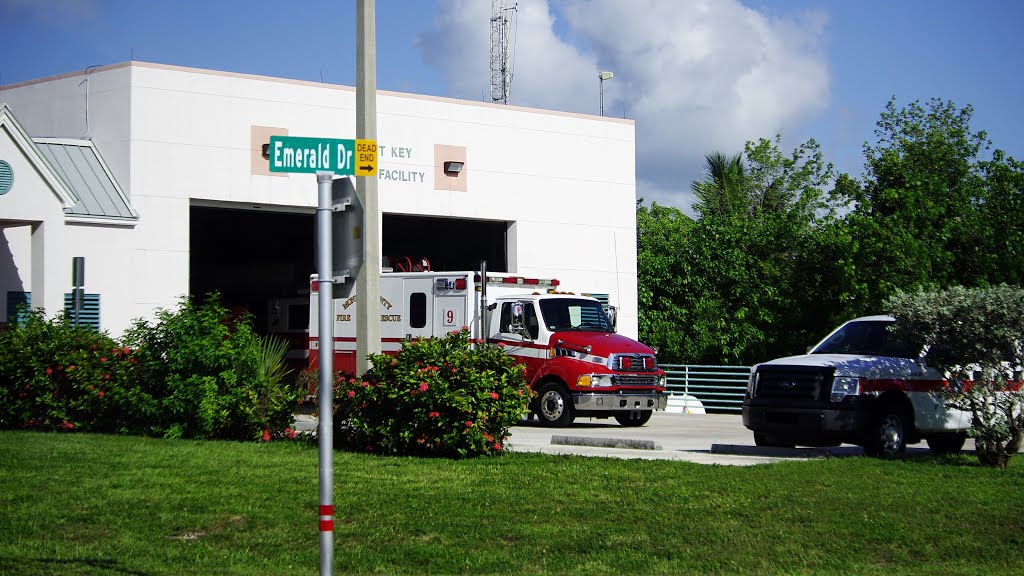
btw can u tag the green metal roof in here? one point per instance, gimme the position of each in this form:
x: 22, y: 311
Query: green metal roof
x: 80, y: 166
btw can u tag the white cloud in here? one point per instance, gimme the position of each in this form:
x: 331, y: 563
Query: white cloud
x: 697, y: 76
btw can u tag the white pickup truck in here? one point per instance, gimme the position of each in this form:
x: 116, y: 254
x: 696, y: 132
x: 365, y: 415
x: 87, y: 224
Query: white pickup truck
x: 863, y: 384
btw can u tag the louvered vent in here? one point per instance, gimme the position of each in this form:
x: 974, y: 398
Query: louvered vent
x: 6, y: 177
x: 90, y: 315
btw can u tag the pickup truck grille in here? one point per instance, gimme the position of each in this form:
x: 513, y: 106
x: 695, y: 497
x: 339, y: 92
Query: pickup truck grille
x: 635, y: 380
x: 793, y: 382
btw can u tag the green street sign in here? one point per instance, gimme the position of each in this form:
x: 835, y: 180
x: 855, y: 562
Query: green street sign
x: 343, y: 157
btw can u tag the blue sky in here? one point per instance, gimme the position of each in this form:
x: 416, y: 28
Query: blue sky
x: 696, y: 76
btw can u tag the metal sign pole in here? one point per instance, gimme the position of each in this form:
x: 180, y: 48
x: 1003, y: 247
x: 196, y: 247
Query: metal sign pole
x: 325, y: 432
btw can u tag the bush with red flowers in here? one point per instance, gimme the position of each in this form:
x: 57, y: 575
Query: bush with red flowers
x: 449, y: 397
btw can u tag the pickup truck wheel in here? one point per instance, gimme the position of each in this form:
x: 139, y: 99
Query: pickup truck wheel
x: 633, y: 418
x: 554, y: 406
x: 887, y: 437
x: 946, y: 444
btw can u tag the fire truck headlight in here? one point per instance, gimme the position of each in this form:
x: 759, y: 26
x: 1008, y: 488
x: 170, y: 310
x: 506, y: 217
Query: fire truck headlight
x: 594, y: 381
x: 662, y: 381
x: 843, y: 387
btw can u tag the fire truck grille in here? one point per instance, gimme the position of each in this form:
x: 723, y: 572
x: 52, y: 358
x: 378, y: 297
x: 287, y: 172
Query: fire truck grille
x: 634, y: 363
x: 630, y: 380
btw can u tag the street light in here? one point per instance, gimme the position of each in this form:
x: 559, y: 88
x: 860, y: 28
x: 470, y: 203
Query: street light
x: 602, y: 77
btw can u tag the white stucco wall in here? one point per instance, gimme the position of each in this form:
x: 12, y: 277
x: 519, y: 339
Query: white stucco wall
x: 174, y: 136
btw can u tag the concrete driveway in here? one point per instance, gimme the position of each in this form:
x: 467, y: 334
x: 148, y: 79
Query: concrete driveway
x: 701, y: 438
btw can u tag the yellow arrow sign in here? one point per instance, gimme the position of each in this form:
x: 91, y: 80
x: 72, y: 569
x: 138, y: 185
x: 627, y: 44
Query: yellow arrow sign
x: 366, y: 157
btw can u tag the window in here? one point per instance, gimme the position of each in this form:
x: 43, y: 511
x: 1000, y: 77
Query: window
x: 417, y: 310
x: 529, y: 320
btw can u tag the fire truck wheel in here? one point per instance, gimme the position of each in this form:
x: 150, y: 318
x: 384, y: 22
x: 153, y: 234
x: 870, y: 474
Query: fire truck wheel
x: 554, y: 407
x: 887, y: 436
x: 634, y: 418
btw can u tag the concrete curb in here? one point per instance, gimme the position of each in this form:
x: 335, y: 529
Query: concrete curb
x: 606, y: 442
x: 771, y: 452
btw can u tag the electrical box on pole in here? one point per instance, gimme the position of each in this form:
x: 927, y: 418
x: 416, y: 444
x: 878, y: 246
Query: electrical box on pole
x: 347, y: 231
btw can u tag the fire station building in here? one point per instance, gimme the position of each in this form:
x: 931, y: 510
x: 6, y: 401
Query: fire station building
x: 158, y: 177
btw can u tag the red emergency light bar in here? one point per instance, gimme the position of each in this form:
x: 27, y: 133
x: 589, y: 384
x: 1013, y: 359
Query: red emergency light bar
x: 518, y: 280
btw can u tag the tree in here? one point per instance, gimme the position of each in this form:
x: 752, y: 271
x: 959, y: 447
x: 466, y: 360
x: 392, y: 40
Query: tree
x: 752, y: 276
x: 915, y: 219
x: 662, y: 277
x: 974, y: 335
x: 722, y: 192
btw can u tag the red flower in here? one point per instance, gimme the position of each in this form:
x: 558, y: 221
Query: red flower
x: 66, y: 425
x: 502, y: 344
x: 351, y: 393
x: 424, y: 387
x: 22, y: 395
x: 266, y: 435
x: 469, y: 423
x: 70, y: 368
x: 106, y: 376
x: 434, y: 414
x: 49, y: 371
x: 101, y: 393
x: 290, y: 432
x: 497, y: 447
x: 488, y: 437
x: 103, y: 359
x: 127, y: 350
x: 494, y: 395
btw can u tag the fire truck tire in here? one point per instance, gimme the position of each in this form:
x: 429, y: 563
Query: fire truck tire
x: 554, y: 406
x: 946, y: 444
x: 627, y: 419
x: 887, y: 435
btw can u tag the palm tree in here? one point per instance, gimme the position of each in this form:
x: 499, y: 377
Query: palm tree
x: 722, y: 192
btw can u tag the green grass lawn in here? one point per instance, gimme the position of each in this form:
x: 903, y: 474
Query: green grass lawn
x: 90, y: 504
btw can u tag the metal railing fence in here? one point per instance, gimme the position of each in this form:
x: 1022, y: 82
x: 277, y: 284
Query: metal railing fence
x: 719, y: 388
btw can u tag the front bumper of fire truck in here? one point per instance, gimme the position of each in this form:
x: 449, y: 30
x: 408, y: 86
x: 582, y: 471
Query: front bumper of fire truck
x: 622, y: 402
x: 607, y: 392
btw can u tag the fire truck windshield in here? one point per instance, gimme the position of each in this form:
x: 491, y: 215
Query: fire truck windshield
x: 564, y: 314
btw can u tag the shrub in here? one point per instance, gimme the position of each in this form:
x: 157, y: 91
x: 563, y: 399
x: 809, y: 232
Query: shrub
x: 60, y: 376
x: 211, y: 374
x: 437, y: 397
x: 975, y: 335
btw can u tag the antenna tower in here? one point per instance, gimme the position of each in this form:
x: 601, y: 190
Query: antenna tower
x: 501, y: 74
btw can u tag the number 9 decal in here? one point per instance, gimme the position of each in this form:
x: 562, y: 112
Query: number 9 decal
x: 449, y: 317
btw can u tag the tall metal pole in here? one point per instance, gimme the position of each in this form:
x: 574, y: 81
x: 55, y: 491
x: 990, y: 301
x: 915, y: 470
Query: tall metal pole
x: 325, y: 432
x: 601, y: 78
x: 368, y: 279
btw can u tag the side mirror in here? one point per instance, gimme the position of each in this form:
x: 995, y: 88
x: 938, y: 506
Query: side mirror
x: 516, y: 324
x: 613, y: 316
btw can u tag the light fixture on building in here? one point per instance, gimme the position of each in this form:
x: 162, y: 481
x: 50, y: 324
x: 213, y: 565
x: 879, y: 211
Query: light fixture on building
x: 453, y: 167
x: 265, y: 151
x: 602, y: 77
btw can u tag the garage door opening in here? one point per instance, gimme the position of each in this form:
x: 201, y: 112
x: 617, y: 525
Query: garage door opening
x: 258, y: 261
x: 447, y: 243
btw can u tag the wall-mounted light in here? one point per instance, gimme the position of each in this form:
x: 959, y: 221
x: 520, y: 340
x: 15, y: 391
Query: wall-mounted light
x: 453, y: 167
x: 265, y: 151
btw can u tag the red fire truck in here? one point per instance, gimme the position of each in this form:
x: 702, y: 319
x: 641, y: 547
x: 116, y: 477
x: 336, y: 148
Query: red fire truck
x: 575, y: 362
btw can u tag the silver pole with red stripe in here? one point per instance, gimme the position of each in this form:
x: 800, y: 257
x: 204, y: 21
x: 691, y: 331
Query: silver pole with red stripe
x: 325, y: 432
